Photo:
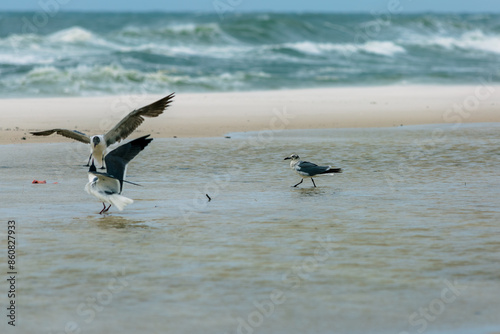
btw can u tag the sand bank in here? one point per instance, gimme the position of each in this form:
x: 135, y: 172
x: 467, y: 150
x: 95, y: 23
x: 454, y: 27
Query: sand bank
x: 215, y: 114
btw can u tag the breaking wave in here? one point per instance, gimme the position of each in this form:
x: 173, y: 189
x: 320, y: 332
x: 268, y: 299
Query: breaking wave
x: 106, y: 53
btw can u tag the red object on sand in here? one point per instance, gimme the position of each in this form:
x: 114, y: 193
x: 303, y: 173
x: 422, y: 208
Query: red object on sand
x: 39, y: 182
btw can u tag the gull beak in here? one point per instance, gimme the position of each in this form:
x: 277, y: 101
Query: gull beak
x: 287, y: 158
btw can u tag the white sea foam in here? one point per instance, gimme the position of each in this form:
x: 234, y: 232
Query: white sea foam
x: 384, y: 48
x: 18, y: 58
x: 78, y: 36
x: 115, y: 79
x: 20, y: 40
x: 312, y: 48
x: 43, y: 74
x: 193, y: 27
x: 72, y: 35
x: 471, y: 40
x: 215, y: 51
x: 181, y: 30
x: 479, y: 41
x: 84, y: 79
x: 166, y: 50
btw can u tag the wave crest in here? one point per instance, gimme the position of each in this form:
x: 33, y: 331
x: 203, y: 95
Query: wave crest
x: 475, y: 40
x: 383, y: 48
x: 72, y: 35
x: 177, y: 33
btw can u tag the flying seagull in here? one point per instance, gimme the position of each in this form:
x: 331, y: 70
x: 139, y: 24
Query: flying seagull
x: 308, y: 169
x: 107, y: 187
x: 99, y: 143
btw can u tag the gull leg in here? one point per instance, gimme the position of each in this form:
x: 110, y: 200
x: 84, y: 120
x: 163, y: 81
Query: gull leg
x: 299, y: 183
x: 313, y: 182
x: 102, y: 167
x: 107, y: 208
x: 88, y: 163
x: 104, y: 207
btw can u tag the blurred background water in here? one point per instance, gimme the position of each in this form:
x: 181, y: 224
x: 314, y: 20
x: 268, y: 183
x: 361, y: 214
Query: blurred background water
x: 81, y: 54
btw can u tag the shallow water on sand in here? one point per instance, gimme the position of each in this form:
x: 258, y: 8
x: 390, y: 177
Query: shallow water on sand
x: 406, y: 239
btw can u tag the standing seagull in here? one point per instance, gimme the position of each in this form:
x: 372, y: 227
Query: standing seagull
x: 308, y: 169
x: 99, y: 143
x: 107, y: 187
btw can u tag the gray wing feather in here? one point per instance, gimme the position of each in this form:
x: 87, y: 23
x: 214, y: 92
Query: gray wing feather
x: 108, y: 184
x: 310, y: 168
x: 132, y: 121
x: 73, y: 134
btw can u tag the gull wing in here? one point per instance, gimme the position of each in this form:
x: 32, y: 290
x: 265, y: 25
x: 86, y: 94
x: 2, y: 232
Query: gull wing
x: 117, y: 159
x: 127, y: 125
x: 107, y: 184
x: 73, y: 134
x: 310, y: 168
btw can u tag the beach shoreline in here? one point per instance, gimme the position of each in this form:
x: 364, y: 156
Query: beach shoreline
x: 215, y: 114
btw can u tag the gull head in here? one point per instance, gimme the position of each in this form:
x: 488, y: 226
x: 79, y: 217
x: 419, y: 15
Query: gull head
x: 292, y: 157
x: 96, y: 140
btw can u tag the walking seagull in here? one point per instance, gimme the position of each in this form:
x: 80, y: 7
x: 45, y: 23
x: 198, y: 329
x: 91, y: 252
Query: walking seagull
x: 308, y: 169
x: 107, y: 187
x: 99, y: 143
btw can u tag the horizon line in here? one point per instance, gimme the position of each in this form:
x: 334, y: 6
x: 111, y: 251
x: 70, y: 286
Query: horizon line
x: 260, y: 11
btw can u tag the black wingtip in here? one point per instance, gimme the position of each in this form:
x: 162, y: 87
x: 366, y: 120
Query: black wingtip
x: 334, y: 170
x: 135, y: 184
x: 168, y: 99
x: 145, y: 138
x: 142, y: 141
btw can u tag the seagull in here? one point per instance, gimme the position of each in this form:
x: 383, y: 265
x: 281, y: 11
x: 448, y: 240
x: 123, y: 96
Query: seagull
x: 99, y: 143
x: 308, y: 169
x: 107, y: 187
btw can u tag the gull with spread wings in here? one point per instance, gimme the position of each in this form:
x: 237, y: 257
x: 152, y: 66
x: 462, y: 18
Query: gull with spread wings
x: 99, y: 143
x: 108, y: 187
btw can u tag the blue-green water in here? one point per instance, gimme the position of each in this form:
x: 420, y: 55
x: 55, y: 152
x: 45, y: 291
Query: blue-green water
x: 80, y: 54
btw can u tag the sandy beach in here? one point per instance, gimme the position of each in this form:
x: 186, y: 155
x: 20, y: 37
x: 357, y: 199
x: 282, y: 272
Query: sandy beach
x: 216, y: 114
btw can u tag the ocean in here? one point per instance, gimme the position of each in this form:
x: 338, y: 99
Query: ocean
x: 404, y: 241
x: 84, y: 54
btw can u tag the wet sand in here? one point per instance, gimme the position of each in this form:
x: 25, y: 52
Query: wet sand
x: 404, y: 241
x: 215, y: 114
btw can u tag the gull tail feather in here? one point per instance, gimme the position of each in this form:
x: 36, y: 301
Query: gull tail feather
x: 120, y: 201
x: 332, y: 170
